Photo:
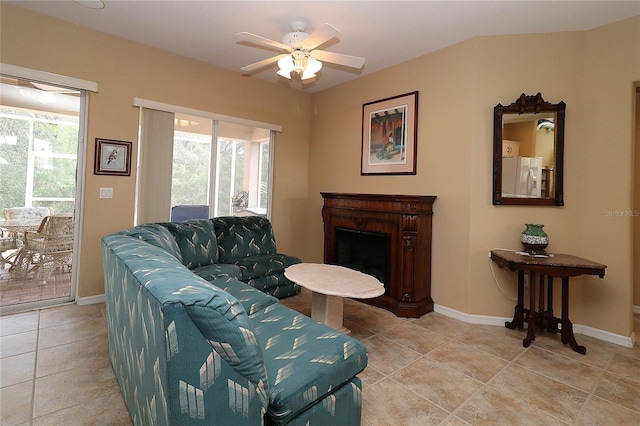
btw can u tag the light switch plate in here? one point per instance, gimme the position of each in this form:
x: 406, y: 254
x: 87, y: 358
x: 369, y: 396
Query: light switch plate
x: 106, y: 192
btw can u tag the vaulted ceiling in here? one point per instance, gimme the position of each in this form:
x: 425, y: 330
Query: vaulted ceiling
x: 385, y: 33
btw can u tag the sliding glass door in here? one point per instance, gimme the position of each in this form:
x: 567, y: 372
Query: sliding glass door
x: 39, y: 150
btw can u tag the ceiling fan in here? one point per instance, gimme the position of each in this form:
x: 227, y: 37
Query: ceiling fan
x: 302, y: 55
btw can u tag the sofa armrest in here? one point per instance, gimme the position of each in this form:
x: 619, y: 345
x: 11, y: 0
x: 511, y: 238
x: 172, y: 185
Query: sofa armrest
x: 156, y: 235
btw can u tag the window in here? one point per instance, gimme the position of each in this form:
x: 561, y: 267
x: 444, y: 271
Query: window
x: 242, y: 177
x: 223, y: 165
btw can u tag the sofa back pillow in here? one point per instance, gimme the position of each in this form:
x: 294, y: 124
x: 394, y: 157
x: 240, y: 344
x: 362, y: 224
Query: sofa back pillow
x: 156, y: 235
x: 240, y: 237
x: 197, y: 241
x: 223, y: 321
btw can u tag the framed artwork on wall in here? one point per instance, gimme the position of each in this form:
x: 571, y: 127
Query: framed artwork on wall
x: 112, y: 157
x: 389, y: 136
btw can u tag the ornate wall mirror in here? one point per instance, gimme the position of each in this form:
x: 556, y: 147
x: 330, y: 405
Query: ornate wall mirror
x: 528, y: 152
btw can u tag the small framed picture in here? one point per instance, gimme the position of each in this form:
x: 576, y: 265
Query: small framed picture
x: 112, y: 157
x: 389, y: 136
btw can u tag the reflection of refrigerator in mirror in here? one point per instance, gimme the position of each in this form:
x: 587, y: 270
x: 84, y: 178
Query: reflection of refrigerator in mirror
x: 521, y: 176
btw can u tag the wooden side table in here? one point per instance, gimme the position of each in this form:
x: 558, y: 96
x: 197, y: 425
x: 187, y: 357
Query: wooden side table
x: 556, y: 266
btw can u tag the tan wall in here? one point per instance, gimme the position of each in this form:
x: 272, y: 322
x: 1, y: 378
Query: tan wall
x: 458, y: 88
x: 125, y: 70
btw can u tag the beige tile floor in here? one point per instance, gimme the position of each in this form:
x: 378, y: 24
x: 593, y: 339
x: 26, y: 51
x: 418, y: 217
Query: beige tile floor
x: 55, y: 370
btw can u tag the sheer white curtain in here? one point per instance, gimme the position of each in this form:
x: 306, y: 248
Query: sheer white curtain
x: 154, y: 166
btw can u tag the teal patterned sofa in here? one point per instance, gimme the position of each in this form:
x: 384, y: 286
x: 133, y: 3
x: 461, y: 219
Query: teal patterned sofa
x: 193, y: 351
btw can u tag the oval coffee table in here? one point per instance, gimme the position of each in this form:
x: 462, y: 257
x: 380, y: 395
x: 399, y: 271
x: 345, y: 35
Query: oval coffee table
x: 330, y: 284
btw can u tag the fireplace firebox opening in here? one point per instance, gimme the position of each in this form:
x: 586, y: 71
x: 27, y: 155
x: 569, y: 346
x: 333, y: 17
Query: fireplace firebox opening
x: 367, y: 252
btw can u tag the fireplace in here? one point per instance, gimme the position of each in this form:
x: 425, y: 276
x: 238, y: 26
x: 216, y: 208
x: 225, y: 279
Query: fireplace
x: 388, y: 237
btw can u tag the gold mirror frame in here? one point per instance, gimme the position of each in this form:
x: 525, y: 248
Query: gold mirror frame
x: 529, y: 105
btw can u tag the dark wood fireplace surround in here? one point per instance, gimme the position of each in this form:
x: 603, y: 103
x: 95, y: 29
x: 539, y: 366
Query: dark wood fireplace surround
x: 407, y: 220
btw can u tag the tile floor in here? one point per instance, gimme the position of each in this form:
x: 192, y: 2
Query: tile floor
x: 55, y: 370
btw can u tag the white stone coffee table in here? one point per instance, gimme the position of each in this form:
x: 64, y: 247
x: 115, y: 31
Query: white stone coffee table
x: 330, y: 284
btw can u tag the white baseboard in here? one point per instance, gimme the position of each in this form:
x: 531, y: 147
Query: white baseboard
x: 499, y: 321
x: 605, y: 335
x: 469, y: 318
x: 90, y: 300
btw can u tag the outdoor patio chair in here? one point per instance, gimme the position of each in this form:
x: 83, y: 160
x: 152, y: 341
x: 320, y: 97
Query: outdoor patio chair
x: 183, y: 212
x: 27, y: 212
x: 48, y: 248
x: 8, y: 242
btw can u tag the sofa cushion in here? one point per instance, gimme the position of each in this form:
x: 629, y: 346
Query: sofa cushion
x: 275, y: 285
x: 252, y: 300
x: 218, y: 270
x: 243, y: 236
x: 197, y: 241
x: 262, y: 265
x: 281, y: 290
x: 305, y: 360
x: 157, y: 235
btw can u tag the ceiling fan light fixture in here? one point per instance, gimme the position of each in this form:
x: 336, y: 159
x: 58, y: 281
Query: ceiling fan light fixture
x: 286, y: 66
x: 306, y: 74
x: 284, y: 74
x: 301, y: 63
x: 313, y: 66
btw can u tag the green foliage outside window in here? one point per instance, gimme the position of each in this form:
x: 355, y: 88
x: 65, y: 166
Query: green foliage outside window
x: 190, y: 178
x: 54, y: 146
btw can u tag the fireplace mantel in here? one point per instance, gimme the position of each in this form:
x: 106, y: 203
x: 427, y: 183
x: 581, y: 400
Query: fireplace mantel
x: 406, y: 220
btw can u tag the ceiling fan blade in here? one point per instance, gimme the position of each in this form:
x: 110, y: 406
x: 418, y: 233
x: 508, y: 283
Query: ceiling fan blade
x: 264, y: 63
x: 263, y: 41
x: 338, y: 58
x: 320, y: 36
